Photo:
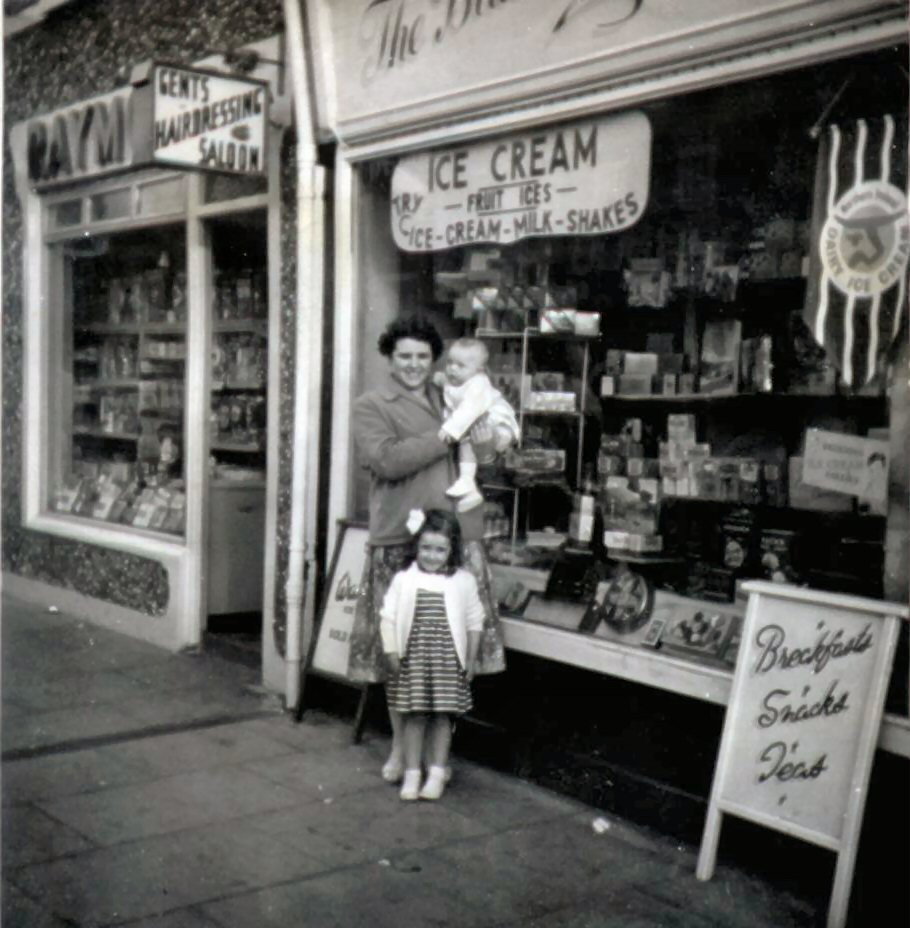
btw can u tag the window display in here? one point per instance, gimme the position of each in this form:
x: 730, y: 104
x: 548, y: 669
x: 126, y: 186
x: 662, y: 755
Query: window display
x: 122, y: 434
x: 239, y: 360
x: 666, y: 381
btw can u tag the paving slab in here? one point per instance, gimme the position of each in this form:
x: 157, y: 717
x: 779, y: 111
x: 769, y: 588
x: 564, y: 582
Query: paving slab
x: 162, y: 873
x: 18, y: 911
x: 189, y: 917
x: 174, y: 803
x: 78, y: 689
x: 316, y: 732
x: 69, y: 774
x: 328, y: 773
x: 372, y: 895
x: 218, y: 746
x: 30, y: 834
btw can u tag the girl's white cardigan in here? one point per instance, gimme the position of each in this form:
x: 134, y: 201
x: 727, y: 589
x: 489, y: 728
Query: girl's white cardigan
x: 463, y: 607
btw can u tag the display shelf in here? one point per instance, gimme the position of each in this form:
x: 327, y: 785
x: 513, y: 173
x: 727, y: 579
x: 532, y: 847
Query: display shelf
x: 631, y: 557
x: 123, y: 383
x: 101, y: 433
x: 628, y: 662
x: 552, y: 413
x: 532, y: 332
x: 238, y: 446
x: 239, y: 386
x: 573, y: 420
x: 760, y: 508
x: 256, y: 326
x: 132, y: 328
x: 772, y: 396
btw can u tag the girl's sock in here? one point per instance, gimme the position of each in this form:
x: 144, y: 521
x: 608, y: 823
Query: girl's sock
x: 410, y: 787
x: 435, y: 784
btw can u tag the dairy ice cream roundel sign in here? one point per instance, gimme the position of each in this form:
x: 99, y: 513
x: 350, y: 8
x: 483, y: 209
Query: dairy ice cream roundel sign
x: 582, y: 178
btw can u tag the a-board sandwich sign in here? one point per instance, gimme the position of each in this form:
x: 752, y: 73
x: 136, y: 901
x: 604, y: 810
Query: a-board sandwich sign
x: 802, y: 721
x: 333, y: 636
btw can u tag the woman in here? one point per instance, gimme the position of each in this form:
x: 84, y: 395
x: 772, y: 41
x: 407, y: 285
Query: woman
x: 396, y: 433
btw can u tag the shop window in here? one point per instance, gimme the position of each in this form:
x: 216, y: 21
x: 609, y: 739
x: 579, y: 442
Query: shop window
x: 120, y: 384
x: 220, y: 187
x: 66, y: 214
x: 114, y: 204
x: 662, y: 370
x: 161, y: 197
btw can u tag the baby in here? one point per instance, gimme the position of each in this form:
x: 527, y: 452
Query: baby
x: 469, y: 396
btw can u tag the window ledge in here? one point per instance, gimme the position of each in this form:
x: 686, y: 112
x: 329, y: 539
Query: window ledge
x: 129, y: 540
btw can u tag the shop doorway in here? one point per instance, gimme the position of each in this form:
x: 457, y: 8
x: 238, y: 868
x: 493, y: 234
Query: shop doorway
x: 238, y: 382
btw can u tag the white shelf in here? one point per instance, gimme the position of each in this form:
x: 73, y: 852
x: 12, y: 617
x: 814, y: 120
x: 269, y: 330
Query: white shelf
x: 628, y: 662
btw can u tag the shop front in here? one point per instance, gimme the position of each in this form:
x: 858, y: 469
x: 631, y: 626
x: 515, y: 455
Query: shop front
x: 148, y: 271
x: 632, y: 205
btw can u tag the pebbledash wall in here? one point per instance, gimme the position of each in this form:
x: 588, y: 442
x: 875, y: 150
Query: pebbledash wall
x: 80, y: 51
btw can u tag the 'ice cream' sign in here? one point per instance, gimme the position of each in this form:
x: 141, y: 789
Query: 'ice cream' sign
x: 586, y: 178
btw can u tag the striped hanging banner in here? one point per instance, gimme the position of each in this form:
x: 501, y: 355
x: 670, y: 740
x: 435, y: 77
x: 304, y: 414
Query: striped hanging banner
x: 857, y: 289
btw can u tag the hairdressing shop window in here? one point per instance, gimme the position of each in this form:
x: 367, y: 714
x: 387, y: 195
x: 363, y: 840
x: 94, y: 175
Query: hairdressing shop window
x: 118, y: 429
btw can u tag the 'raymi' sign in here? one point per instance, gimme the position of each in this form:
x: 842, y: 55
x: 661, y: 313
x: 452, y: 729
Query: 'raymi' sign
x: 583, y: 178
x: 208, y: 120
x: 85, y: 140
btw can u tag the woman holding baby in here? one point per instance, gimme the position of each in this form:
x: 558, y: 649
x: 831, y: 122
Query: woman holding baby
x: 398, y: 436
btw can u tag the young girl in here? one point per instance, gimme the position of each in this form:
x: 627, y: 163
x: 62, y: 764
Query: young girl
x: 431, y: 620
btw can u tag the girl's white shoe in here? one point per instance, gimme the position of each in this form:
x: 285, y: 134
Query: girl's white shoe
x: 435, y: 784
x: 392, y: 770
x: 410, y: 787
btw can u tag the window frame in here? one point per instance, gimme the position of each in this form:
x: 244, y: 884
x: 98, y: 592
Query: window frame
x: 45, y: 327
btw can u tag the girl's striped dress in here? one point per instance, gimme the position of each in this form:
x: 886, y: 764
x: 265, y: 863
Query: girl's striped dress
x: 431, y: 678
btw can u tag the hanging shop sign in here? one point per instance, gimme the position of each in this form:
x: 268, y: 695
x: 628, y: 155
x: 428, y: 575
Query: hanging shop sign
x: 803, y: 720
x: 205, y: 119
x: 178, y: 117
x: 400, y: 63
x: 584, y: 178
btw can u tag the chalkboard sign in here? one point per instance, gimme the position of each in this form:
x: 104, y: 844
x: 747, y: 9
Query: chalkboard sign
x: 332, y: 645
x: 803, y: 720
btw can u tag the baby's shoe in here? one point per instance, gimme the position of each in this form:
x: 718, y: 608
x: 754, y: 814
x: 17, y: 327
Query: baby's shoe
x: 468, y: 502
x: 410, y: 787
x: 461, y: 487
x: 435, y: 784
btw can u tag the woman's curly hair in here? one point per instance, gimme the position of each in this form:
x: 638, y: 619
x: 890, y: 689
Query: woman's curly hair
x: 415, y: 327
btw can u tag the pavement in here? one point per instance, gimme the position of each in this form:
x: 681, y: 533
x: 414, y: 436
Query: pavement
x: 161, y: 790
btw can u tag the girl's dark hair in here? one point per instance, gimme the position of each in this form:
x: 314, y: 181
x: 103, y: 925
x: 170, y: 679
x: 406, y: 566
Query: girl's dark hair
x: 416, y: 327
x: 443, y: 523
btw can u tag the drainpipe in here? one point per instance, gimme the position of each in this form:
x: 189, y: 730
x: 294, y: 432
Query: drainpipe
x: 300, y: 589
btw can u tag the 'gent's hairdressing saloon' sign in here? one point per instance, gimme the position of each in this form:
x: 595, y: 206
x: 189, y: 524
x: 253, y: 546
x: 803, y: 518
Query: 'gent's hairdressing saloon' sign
x: 585, y: 178
x: 208, y: 120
